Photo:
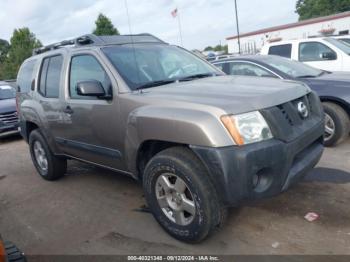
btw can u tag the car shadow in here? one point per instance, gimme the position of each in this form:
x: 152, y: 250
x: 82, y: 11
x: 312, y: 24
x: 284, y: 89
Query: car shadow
x: 328, y: 175
x: 9, y: 138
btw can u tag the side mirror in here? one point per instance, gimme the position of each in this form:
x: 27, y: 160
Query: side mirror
x: 90, y: 88
x: 329, y: 56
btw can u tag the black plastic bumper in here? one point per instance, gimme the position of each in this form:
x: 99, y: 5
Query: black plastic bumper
x: 262, y: 169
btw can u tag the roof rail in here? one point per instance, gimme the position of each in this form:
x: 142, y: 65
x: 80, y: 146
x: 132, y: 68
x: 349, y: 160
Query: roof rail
x: 91, y: 39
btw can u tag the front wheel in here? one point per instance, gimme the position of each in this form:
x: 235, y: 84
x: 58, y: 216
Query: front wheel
x: 181, y: 196
x: 337, y: 124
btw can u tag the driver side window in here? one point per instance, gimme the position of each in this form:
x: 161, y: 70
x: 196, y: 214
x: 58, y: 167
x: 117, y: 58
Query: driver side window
x: 314, y: 51
x: 84, y: 68
x: 248, y: 69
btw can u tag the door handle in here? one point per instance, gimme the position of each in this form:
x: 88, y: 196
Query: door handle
x: 68, y: 110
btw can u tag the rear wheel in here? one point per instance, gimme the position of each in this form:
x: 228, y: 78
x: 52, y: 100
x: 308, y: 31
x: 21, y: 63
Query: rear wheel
x: 49, y: 166
x: 181, y: 196
x: 337, y: 124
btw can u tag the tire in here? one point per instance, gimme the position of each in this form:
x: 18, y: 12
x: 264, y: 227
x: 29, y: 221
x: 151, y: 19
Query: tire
x: 13, y: 253
x: 56, y: 167
x: 175, y: 165
x: 337, y: 124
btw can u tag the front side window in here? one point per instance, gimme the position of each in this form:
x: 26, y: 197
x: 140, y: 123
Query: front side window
x: 248, y: 69
x: 145, y: 64
x: 25, y: 76
x: 50, y: 76
x: 315, y: 51
x: 85, y: 68
x: 281, y: 50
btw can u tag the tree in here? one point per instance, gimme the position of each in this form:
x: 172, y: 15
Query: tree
x: 4, y: 48
x: 208, y: 48
x: 104, y: 26
x: 22, y: 44
x: 307, y: 9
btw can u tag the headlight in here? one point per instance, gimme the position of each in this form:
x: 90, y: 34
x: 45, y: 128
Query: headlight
x: 247, y: 128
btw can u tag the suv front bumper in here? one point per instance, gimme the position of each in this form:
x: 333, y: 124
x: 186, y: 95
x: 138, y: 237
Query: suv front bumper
x: 262, y: 169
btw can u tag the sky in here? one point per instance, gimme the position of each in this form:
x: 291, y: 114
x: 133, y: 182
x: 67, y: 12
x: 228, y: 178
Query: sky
x: 203, y: 22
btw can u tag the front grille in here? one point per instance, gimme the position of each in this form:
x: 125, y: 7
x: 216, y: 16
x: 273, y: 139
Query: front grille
x: 287, y: 123
x: 9, y: 118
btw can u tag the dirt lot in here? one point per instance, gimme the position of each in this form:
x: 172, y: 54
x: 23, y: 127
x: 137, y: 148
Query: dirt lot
x: 94, y: 211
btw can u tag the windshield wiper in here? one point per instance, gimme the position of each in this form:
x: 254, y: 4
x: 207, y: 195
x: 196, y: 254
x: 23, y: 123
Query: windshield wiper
x: 197, y: 76
x: 155, y: 83
x: 306, y: 76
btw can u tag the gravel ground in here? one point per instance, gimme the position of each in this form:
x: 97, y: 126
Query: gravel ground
x: 95, y: 211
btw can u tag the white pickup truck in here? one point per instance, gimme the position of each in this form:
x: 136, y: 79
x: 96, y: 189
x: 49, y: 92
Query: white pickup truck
x: 324, y: 53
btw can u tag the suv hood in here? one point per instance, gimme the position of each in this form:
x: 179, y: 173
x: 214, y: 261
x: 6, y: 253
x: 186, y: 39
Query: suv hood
x: 234, y: 94
x: 7, y: 105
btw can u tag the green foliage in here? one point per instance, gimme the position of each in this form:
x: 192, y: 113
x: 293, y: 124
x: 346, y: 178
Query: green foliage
x: 217, y: 48
x: 307, y: 9
x: 22, y: 44
x: 208, y: 48
x: 4, y: 47
x: 104, y: 26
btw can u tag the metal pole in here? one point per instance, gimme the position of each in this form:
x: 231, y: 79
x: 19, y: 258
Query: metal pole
x: 178, y: 19
x: 238, y: 36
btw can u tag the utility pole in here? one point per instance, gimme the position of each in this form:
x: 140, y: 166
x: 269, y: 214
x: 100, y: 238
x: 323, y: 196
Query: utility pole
x: 238, y: 36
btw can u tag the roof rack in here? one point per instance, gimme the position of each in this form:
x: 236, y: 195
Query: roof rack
x: 94, y: 40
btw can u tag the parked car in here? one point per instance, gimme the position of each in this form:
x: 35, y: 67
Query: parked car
x: 10, y: 253
x: 324, y: 53
x: 199, y: 141
x: 8, y: 112
x: 333, y: 88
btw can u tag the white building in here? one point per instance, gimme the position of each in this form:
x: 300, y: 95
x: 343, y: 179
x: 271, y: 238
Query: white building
x: 328, y: 25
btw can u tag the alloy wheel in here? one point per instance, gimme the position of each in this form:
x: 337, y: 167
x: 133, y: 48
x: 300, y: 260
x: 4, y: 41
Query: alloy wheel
x: 175, y: 199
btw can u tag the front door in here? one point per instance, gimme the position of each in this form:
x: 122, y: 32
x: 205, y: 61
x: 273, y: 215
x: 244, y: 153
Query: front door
x: 90, y: 131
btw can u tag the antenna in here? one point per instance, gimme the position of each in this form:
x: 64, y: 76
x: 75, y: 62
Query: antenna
x: 132, y: 40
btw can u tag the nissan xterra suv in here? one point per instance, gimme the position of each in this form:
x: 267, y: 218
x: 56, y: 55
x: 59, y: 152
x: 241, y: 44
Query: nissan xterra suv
x: 199, y: 141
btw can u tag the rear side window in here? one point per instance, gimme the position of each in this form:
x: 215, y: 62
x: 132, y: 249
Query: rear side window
x: 248, y: 69
x: 25, y: 76
x: 281, y: 50
x: 50, y: 76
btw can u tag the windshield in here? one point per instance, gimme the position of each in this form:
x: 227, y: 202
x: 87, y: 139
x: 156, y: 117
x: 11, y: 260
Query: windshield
x: 339, y: 44
x: 145, y: 65
x: 345, y: 40
x: 7, y: 92
x: 290, y: 67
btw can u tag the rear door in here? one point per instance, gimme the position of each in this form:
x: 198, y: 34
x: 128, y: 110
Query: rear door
x: 89, y: 130
x: 48, y: 89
